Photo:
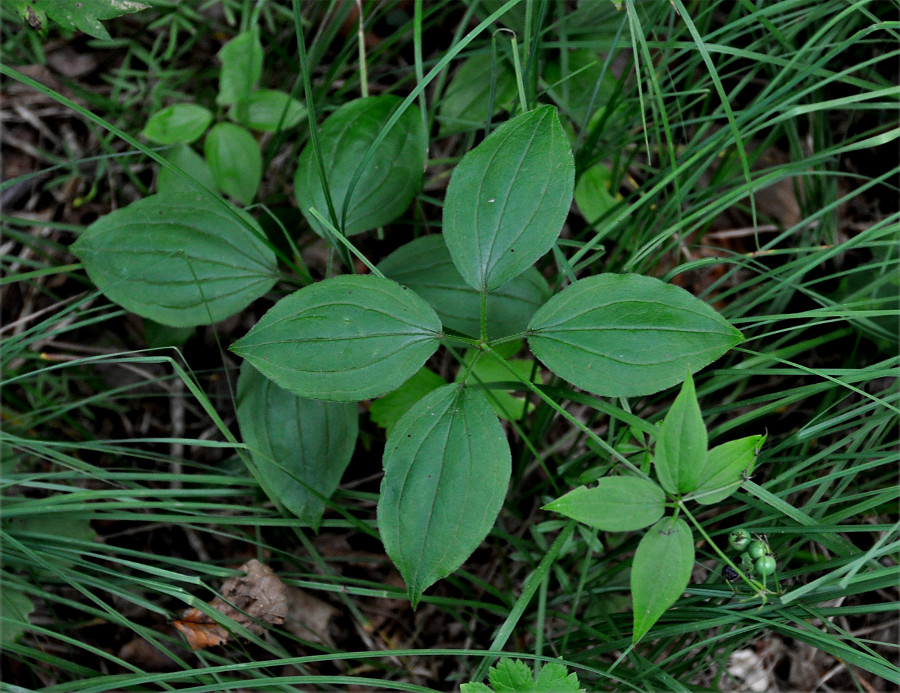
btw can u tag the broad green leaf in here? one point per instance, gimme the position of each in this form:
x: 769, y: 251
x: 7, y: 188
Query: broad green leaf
x: 242, y: 59
x: 181, y: 259
x: 181, y: 123
x: 660, y: 572
x: 726, y: 468
x: 347, y: 338
x: 464, y: 105
x: 76, y: 15
x: 508, y: 198
x: 300, y: 447
x: 424, y: 265
x: 60, y: 542
x: 487, y: 370
x: 680, y: 453
x: 615, y: 504
x: 268, y: 110
x: 446, y: 469
x: 235, y: 161
x: 15, y: 608
x: 389, y: 180
x: 189, y: 161
x: 592, y: 195
x: 625, y: 335
x: 388, y: 410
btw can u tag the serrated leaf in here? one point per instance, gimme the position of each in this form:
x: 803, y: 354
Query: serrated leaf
x: 464, y: 105
x: 615, y: 504
x: 508, y: 198
x: 680, y: 453
x: 388, y: 182
x: 242, y: 60
x: 446, y: 468
x: 235, y: 161
x: 555, y: 678
x: 511, y: 676
x: 76, y: 15
x: 300, y: 447
x: 625, y: 335
x: 727, y: 466
x: 346, y: 339
x: 388, y: 410
x: 660, y: 572
x: 268, y: 110
x: 180, y: 123
x: 425, y: 266
x: 188, y: 161
x: 181, y: 259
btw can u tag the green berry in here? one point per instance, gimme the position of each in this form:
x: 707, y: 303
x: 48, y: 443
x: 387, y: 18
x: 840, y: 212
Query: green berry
x: 756, y: 549
x: 765, y: 565
x: 739, y: 539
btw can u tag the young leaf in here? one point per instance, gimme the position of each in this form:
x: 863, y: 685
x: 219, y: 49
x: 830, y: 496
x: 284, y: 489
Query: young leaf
x: 446, y: 469
x: 180, y: 259
x: 508, y: 198
x: 592, y: 195
x: 487, y: 370
x: 424, y: 265
x: 464, y: 105
x: 389, y: 180
x: 181, y: 123
x: 727, y: 467
x: 300, y: 447
x: 615, y: 504
x: 15, y: 608
x: 266, y: 109
x: 188, y: 161
x: 235, y: 161
x: 388, y: 410
x: 347, y: 338
x: 680, y: 454
x: 660, y: 572
x: 625, y: 335
x: 242, y: 59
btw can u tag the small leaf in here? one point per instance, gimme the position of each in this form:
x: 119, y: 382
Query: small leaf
x: 508, y: 198
x: 268, y: 110
x: 347, y: 338
x: 389, y: 180
x: 76, y: 15
x: 188, y: 161
x: 181, y: 259
x: 235, y: 161
x: 464, y: 105
x: 487, y: 370
x: 727, y: 467
x: 15, y: 608
x: 242, y: 59
x: 680, y: 454
x: 446, y: 468
x: 615, y: 504
x: 511, y: 676
x: 388, y: 410
x: 300, y: 447
x: 661, y: 571
x: 592, y: 195
x: 181, y: 123
x: 587, y: 88
x: 624, y: 335
x: 424, y: 265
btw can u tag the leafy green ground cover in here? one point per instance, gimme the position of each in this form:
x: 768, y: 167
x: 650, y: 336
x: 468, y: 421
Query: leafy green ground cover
x: 564, y: 332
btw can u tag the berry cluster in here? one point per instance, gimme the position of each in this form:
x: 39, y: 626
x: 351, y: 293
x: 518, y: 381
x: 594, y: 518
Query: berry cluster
x: 756, y: 557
